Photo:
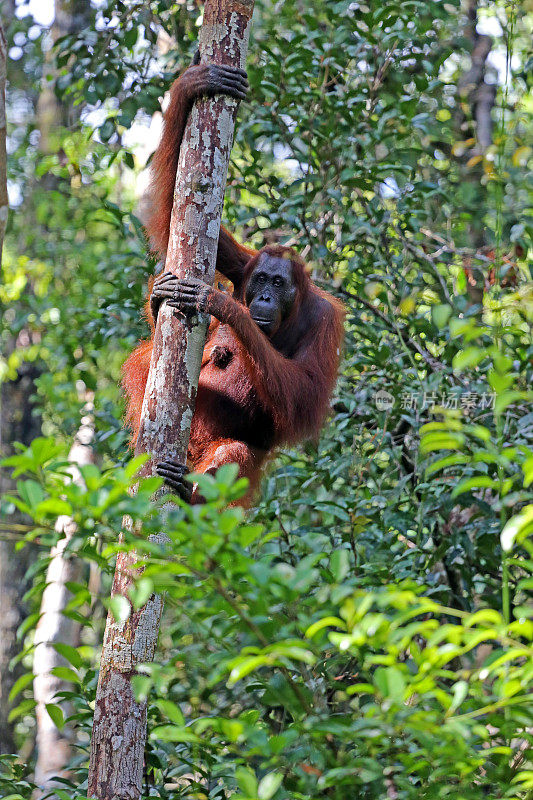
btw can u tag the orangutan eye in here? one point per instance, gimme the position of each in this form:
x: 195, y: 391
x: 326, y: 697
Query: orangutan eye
x: 278, y: 281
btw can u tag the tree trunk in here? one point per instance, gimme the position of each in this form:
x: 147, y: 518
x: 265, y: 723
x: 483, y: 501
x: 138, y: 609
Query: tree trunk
x: 119, y: 730
x: 18, y: 416
x: 473, y: 118
x: 3, y: 154
x: 53, y: 745
x: 71, y: 16
x: 18, y: 422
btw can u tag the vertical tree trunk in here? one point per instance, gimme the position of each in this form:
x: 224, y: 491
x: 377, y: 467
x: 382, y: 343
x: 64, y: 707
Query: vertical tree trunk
x: 119, y: 730
x: 19, y: 420
x: 53, y: 749
x: 473, y: 118
x: 3, y: 154
x: 18, y: 423
x: 53, y: 745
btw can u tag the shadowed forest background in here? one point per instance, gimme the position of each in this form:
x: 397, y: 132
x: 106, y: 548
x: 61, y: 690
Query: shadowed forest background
x: 366, y: 630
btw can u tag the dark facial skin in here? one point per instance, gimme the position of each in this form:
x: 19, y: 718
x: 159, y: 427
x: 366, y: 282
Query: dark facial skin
x: 270, y: 293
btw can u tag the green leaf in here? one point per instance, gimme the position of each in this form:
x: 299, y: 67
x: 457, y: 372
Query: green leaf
x: 460, y: 691
x: 120, y: 607
x: 133, y: 467
x: 172, y: 711
x: 246, y: 781
x: 517, y: 528
x: 31, y: 493
x: 141, y: 592
x: 107, y: 130
x: 527, y: 468
x: 141, y: 685
x: 269, y: 785
x: 440, y: 315
x: 65, y: 674
x: 468, y: 358
x: 19, y: 685
x: 447, y: 461
x: 432, y: 442
x: 503, y: 401
x: 479, y: 431
x: 173, y: 733
x: 69, y: 653
x: 360, y: 688
x: 206, y: 484
x: 23, y: 708
x: 390, y: 682
x: 326, y: 622
x: 28, y: 624
x: 54, y: 507
x: 340, y: 564
x: 227, y: 474
x: 477, y: 482
x: 56, y: 715
x: 247, y: 665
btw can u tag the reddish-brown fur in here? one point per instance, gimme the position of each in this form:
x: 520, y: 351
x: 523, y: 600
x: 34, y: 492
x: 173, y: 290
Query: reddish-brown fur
x: 270, y: 392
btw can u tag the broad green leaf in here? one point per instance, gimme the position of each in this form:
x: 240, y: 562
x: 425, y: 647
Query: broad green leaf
x: 227, y: 474
x: 31, y: 493
x: 476, y: 482
x: 440, y: 315
x: 69, y: 653
x: 518, y: 526
x: 141, y: 592
x: 53, y: 506
x: 390, y: 682
x: 460, y: 691
x: 19, y: 685
x: 246, y: 781
x: 172, y: 711
x: 468, y: 358
x: 120, y: 607
x: 432, y: 442
x: 66, y: 674
x: 269, y: 785
x: 447, y: 461
x: 326, y: 622
x: 340, y: 564
x: 56, y: 715
x: 173, y: 733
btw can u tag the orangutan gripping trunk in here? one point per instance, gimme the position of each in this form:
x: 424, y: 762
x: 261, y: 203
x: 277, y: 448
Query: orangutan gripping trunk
x: 272, y: 353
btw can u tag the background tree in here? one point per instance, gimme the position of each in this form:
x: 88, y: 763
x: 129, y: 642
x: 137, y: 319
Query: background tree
x: 3, y: 154
x: 375, y: 636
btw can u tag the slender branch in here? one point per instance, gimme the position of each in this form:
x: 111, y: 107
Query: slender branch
x: 264, y: 641
x: 431, y: 361
x: 420, y: 255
